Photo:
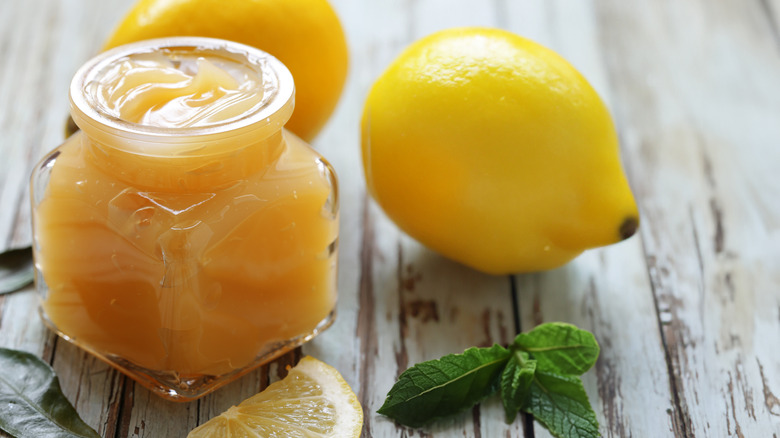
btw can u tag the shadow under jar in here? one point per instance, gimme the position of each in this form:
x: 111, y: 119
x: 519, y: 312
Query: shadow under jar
x: 182, y: 235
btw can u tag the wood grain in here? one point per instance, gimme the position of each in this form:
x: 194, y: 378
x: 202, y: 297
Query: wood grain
x: 687, y: 313
x: 695, y: 108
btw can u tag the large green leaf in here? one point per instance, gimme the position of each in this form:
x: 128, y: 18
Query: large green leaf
x: 561, y: 404
x: 560, y: 348
x: 31, y: 402
x: 437, y: 388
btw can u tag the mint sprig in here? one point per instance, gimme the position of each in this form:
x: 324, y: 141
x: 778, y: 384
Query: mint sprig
x: 538, y: 374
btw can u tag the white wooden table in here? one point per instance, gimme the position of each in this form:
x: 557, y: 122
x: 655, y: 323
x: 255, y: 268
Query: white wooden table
x: 687, y: 312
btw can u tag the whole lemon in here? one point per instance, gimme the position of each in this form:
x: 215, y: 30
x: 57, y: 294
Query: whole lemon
x: 305, y: 35
x: 494, y: 151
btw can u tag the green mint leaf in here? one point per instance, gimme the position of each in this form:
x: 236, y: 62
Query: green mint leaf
x: 560, y: 348
x: 515, y: 381
x: 438, y: 388
x: 31, y: 402
x: 561, y: 404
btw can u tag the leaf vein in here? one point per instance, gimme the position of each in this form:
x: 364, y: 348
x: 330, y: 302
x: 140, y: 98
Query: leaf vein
x: 557, y: 347
x: 460, y: 377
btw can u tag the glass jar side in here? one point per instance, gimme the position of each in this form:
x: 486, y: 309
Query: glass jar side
x: 39, y: 181
x: 186, y: 292
x: 182, y: 286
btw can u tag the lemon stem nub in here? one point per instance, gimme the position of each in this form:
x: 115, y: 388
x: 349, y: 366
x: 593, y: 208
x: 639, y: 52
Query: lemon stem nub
x: 628, y: 227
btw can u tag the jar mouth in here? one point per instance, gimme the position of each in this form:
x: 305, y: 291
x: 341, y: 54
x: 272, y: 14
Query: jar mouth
x: 262, y: 120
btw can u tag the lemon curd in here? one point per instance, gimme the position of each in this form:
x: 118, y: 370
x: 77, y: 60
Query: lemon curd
x: 183, y: 235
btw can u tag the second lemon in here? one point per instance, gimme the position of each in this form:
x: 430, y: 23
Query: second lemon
x: 305, y: 35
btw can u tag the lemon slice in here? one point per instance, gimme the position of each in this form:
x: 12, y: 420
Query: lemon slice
x: 312, y: 401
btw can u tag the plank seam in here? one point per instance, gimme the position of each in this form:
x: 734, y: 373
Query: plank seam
x: 365, y: 320
x: 401, y: 354
x: 126, y: 401
x: 526, y: 419
x: 681, y: 426
x: 114, y: 413
x: 515, y: 304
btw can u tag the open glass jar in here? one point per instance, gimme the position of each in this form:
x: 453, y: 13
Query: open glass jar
x: 182, y: 235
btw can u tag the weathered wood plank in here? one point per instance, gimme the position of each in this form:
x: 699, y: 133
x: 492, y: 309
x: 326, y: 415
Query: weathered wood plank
x: 606, y: 290
x: 426, y: 307
x: 94, y: 388
x: 697, y: 98
x: 147, y: 415
x: 346, y: 342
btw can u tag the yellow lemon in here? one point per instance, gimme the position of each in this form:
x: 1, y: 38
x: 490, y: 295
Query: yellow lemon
x: 305, y: 35
x: 312, y: 401
x: 495, y: 152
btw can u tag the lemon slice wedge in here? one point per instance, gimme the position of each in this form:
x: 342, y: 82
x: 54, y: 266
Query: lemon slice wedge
x: 312, y: 401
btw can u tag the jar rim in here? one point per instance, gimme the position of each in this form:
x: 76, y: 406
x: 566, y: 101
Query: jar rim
x: 272, y: 113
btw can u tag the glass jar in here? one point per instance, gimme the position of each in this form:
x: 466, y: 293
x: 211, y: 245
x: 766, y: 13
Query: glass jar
x: 185, y: 253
